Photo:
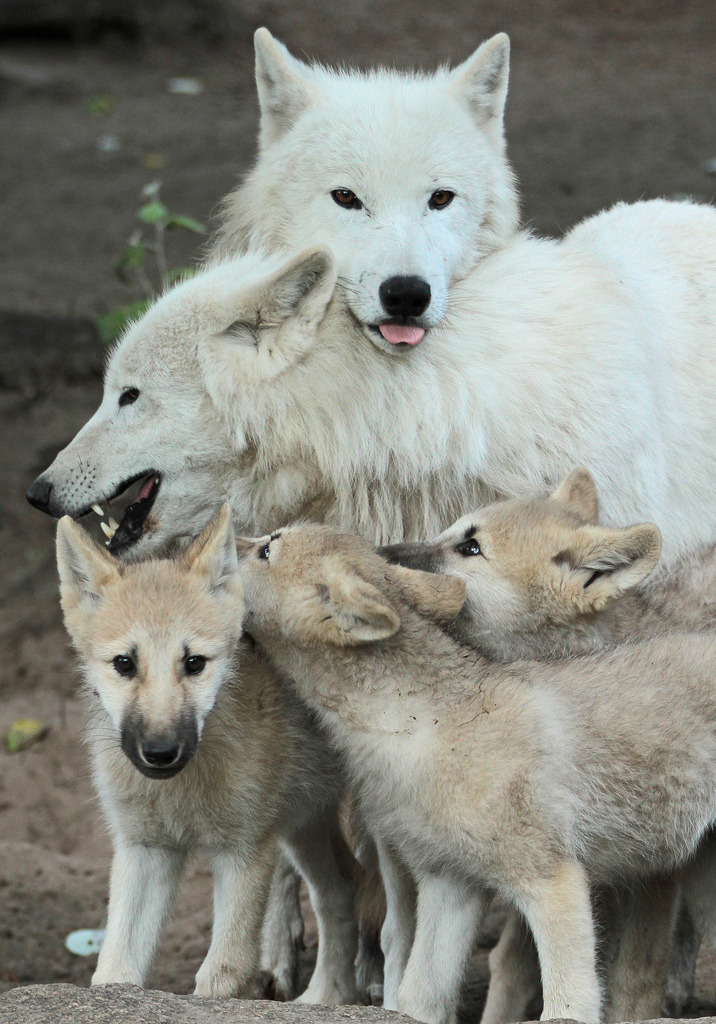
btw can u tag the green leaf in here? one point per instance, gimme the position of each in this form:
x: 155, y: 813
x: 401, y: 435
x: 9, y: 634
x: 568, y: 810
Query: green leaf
x: 24, y: 732
x: 179, y: 274
x: 111, y: 325
x: 131, y: 259
x: 153, y: 213
x: 179, y: 220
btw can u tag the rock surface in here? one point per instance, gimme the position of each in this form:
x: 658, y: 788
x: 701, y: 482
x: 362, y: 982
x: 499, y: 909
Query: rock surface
x: 66, y: 1004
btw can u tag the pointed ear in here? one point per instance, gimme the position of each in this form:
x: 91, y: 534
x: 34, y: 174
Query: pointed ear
x: 609, y: 562
x: 302, y: 288
x: 579, y: 492
x: 284, y: 86
x: 481, y: 82
x: 346, y: 611
x: 433, y: 594
x: 213, y: 553
x: 85, y: 568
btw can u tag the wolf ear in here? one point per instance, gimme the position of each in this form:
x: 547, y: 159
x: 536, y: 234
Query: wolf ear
x: 270, y: 327
x: 346, y: 611
x: 434, y: 594
x: 606, y: 562
x: 85, y: 568
x: 302, y: 288
x: 213, y: 553
x: 481, y: 81
x: 284, y: 86
x: 579, y: 492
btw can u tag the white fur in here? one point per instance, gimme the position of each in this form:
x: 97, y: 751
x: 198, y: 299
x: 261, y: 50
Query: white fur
x: 595, y: 350
x: 393, y: 139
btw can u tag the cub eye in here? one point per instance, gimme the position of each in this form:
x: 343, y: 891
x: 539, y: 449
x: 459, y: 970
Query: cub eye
x: 468, y: 548
x: 124, y: 666
x: 440, y: 199
x: 128, y: 396
x: 344, y: 197
x: 194, y: 664
x: 264, y: 551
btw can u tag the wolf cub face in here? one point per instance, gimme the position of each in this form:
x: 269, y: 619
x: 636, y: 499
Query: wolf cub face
x: 528, y: 564
x: 157, y: 639
x: 311, y: 585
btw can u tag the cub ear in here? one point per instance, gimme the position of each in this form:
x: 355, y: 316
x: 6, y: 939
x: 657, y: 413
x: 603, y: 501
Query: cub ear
x: 433, y: 594
x: 607, y: 562
x: 579, y: 492
x: 85, y: 568
x: 481, y: 81
x: 346, y: 611
x: 284, y: 85
x: 212, y: 554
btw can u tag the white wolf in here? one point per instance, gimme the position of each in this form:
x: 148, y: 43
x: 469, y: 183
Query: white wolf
x: 403, y: 176
x: 253, y: 383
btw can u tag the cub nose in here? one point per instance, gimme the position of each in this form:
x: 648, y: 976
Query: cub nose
x: 404, y: 296
x: 160, y: 753
x: 38, y: 494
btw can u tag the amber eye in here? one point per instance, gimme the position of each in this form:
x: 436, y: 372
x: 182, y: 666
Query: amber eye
x: 440, y: 199
x: 344, y: 197
x: 468, y: 548
x: 124, y: 665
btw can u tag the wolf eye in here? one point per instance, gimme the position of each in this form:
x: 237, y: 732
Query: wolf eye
x: 468, y: 548
x: 440, y: 199
x: 344, y: 197
x: 194, y: 664
x: 124, y: 666
x: 128, y: 396
x: 264, y: 551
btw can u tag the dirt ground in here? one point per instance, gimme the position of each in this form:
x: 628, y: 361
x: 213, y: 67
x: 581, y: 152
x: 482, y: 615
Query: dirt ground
x: 607, y: 101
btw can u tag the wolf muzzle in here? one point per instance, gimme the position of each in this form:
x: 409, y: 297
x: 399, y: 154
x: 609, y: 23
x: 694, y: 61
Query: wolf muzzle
x: 159, y: 755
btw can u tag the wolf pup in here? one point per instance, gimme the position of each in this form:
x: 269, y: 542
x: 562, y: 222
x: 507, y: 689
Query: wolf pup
x: 533, y: 780
x: 196, y: 745
x: 544, y: 579
x: 403, y: 176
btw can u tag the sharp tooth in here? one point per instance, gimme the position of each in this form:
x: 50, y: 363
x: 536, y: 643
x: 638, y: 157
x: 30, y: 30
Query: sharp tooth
x: 107, y: 530
x: 156, y: 479
x: 113, y: 523
x: 99, y: 510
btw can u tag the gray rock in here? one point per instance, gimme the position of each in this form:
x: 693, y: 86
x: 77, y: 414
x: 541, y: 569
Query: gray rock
x: 125, y: 1004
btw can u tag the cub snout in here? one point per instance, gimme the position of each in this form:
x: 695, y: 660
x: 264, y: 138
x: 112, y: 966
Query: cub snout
x: 428, y: 557
x: 159, y: 755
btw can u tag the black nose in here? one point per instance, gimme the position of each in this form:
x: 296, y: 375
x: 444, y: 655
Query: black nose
x: 404, y: 296
x: 161, y: 753
x: 38, y: 493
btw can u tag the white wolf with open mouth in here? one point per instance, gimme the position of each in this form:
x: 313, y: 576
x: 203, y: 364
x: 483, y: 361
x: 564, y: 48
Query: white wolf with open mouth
x: 403, y: 176
x: 252, y: 383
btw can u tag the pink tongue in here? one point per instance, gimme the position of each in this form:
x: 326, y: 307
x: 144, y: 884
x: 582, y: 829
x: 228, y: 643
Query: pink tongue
x: 146, y: 489
x: 397, y: 334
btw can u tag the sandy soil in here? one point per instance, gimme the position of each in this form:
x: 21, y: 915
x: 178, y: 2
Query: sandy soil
x: 601, y: 108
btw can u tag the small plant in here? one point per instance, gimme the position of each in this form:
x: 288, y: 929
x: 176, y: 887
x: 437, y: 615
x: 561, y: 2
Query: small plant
x: 144, y: 263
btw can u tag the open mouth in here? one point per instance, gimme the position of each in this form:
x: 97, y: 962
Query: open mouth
x: 399, y: 332
x: 121, y: 535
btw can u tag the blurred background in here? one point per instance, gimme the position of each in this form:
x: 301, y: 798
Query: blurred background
x: 609, y: 100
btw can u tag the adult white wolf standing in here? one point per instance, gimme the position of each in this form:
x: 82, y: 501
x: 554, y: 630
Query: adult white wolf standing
x: 403, y: 176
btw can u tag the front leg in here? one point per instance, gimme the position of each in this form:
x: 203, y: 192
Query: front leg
x: 559, y: 912
x: 514, y: 974
x: 396, y: 937
x: 327, y: 865
x: 241, y: 885
x: 143, y: 883
x: 448, y: 916
x: 282, y: 932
